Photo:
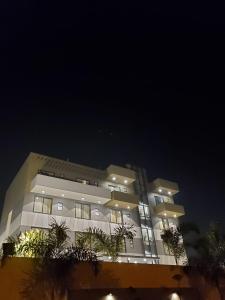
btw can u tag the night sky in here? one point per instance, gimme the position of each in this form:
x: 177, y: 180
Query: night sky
x: 103, y: 82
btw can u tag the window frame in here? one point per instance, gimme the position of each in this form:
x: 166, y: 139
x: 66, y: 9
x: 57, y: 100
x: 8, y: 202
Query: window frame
x: 42, y: 205
x: 116, y: 211
x: 82, y: 211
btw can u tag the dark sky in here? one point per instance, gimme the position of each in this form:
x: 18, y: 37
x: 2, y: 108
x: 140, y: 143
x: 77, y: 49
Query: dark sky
x: 103, y: 82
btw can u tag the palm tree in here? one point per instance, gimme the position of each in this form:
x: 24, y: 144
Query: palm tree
x: 54, y: 261
x: 104, y: 244
x: 172, y: 238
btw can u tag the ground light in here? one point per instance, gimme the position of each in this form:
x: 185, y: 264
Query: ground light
x: 174, y: 296
x: 110, y: 297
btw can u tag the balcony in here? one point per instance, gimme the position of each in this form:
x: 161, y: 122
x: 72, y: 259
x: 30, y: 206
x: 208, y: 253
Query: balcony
x: 169, y: 210
x: 162, y: 186
x: 123, y: 200
x: 59, y: 187
x: 120, y: 175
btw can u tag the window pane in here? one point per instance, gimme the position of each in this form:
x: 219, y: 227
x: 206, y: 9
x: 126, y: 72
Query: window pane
x: 119, y: 217
x: 158, y: 200
x: 85, y: 211
x: 47, y: 206
x: 150, y: 235
x: 146, y: 211
x: 78, y: 210
x: 145, y: 237
x: 141, y: 211
x: 113, y: 216
x: 59, y: 206
x: 38, y: 204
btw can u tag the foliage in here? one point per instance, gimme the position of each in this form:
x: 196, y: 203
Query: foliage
x: 104, y: 244
x: 54, y: 262
x: 210, y: 258
x: 172, y: 238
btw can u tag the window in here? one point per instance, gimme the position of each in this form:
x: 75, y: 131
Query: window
x: 116, y: 216
x: 158, y: 200
x: 59, y: 206
x: 42, y: 205
x: 148, y: 241
x: 82, y: 211
x: 141, y: 211
x: 144, y: 211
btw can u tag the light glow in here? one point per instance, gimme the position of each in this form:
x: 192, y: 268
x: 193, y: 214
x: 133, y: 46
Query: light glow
x: 125, y: 181
x: 174, y: 296
x: 82, y: 198
x: 128, y: 207
x: 165, y: 214
x: 43, y: 192
x: 160, y: 190
x: 63, y: 195
x: 175, y: 216
x: 169, y: 192
x: 116, y: 205
x: 114, y: 178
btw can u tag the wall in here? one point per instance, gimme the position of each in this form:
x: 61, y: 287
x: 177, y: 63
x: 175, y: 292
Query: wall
x: 122, y: 280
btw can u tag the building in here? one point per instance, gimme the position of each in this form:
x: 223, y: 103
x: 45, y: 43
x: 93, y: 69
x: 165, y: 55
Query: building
x: 46, y: 188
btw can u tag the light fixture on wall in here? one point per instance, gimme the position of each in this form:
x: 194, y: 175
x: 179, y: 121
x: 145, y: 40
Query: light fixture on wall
x: 125, y: 181
x: 169, y: 192
x: 114, y: 178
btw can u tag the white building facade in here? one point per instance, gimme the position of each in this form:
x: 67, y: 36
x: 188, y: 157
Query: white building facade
x: 46, y: 188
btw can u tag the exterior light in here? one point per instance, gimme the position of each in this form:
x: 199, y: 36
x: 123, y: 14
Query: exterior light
x: 175, y: 216
x: 82, y: 198
x: 109, y: 297
x: 135, y: 262
x: 119, y: 261
x: 125, y: 181
x: 165, y: 214
x: 174, y: 296
x: 160, y: 190
x: 114, y: 178
x: 128, y: 207
x: 99, y: 202
x: 63, y: 195
x: 109, y: 257
x: 169, y: 192
x: 128, y: 258
x: 144, y: 259
x: 43, y: 192
x: 116, y: 205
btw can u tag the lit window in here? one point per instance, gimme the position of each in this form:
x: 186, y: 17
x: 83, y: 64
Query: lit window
x: 82, y: 211
x: 116, y: 216
x: 59, y: 206
x: 42, y: 205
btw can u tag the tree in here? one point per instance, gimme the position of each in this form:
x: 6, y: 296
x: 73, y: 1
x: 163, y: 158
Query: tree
x: 172, y: 238
x: 54, y: 261
x: 209, y: 261
x: 104, y: 244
